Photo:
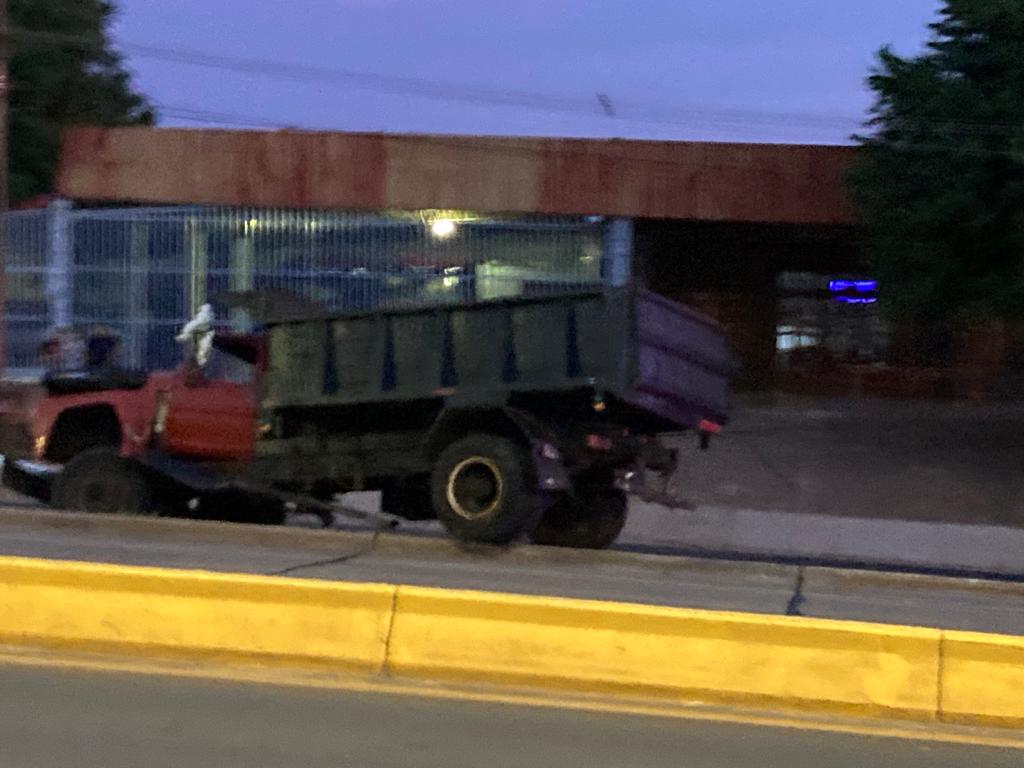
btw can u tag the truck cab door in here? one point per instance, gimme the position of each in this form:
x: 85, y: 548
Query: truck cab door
x: 211, y: 411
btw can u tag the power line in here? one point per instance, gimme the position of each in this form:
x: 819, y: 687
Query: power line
x: 495, y: 146
x: 513, y: 146
x: 596, y: 106
x: 591, y: 106
x: 216, y: 118
x: 436, y: 90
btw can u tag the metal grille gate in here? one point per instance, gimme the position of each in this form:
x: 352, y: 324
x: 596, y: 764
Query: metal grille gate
x: 144, y: 271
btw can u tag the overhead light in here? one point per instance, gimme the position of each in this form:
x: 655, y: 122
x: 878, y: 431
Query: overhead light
x: 442, y: 228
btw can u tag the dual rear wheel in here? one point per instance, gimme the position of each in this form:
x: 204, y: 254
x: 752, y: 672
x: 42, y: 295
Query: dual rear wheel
x: 481, y: 491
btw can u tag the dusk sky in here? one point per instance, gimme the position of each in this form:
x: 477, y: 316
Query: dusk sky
x: 781, y: 71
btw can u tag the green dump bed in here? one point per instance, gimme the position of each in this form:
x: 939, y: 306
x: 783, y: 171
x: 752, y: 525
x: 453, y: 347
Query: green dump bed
x: 630, y: 344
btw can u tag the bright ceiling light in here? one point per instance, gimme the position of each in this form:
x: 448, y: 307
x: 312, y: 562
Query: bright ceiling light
x: 442, y: 228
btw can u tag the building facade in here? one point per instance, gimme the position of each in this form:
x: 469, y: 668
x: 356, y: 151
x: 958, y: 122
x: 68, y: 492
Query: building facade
x: 761, y: 237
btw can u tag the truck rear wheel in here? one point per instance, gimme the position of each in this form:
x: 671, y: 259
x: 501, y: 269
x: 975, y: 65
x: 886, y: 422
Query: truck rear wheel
x: 101, y: 482
x: 481, y: 492
x: 591, y: 520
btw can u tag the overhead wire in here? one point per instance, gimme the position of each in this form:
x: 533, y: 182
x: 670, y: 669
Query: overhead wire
x: 436, y: 90
x: 591, y: 105
x: 518, y: 146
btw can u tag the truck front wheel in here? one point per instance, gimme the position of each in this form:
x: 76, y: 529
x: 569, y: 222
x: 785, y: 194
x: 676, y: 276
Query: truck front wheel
x: 481, y: 492
x: 99, y: 481
x: 590, y: 520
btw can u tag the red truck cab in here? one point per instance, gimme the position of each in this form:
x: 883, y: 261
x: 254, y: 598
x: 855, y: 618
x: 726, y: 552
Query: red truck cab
x: 202, y: 414
x: 195, y: 412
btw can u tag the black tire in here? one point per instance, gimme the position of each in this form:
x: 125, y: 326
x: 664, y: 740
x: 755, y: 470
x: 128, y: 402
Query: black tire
x: 101, y: 482
x: 591, y: 520
x: 481, y: 491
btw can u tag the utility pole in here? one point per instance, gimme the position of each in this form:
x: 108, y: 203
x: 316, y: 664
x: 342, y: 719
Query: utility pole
x: 5, y: 56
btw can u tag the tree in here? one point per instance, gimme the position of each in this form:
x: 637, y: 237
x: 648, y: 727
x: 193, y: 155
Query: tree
x: 940, y: 179
x: 63, y: 71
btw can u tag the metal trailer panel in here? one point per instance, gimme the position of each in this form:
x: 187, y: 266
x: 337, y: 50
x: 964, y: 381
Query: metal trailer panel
x: 629, y: 344
x: 682, y: 359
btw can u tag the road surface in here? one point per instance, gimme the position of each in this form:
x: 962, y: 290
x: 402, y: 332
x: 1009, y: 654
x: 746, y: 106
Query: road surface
x: 61, y: 717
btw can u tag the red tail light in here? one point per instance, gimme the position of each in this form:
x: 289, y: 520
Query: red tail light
x: 599, y: 443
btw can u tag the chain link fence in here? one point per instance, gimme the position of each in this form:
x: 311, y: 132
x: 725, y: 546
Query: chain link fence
x: 145, y: 271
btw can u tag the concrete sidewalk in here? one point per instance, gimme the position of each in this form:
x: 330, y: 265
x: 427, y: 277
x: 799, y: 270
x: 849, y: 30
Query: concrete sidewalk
x: 928, y: 462
x: 920, y: 486
x: 904, y: 545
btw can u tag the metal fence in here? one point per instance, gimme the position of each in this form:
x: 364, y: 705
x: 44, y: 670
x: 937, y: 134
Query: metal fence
x: 145, y: 271
x: 27, y: 285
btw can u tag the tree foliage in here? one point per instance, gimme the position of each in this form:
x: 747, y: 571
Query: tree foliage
x: 63, y: 71
x: 940, y: 177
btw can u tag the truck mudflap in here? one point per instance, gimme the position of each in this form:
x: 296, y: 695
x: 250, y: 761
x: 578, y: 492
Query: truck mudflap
x: 548, y: 463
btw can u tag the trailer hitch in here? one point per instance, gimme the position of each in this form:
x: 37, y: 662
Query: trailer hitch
x: 636, y: 481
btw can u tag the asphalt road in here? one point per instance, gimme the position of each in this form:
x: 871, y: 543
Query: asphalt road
x: 51, y: 717
x: 622, y: 576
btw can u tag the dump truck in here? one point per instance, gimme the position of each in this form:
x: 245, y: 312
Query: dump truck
x: 523, y: 417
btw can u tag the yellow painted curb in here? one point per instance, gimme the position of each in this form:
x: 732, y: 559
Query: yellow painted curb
x: 162, y: 611
x: 569, y: 645
x: 683, y: 654
x: 983, y: 678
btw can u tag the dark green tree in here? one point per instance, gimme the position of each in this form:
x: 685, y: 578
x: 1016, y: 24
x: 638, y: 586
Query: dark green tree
x: 940, y: 175
x: 63, y: 71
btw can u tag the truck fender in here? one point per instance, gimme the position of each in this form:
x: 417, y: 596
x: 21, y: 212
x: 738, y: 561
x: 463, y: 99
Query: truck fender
x: 546, y: 462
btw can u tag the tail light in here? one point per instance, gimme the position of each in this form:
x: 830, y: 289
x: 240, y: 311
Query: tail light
x: 599, y: 443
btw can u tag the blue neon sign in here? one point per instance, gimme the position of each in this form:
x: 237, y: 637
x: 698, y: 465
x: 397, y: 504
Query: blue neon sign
x: 859, y: 286
x: 846, y: 291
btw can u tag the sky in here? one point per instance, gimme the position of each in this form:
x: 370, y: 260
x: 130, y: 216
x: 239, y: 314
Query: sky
x: 784, y: 71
